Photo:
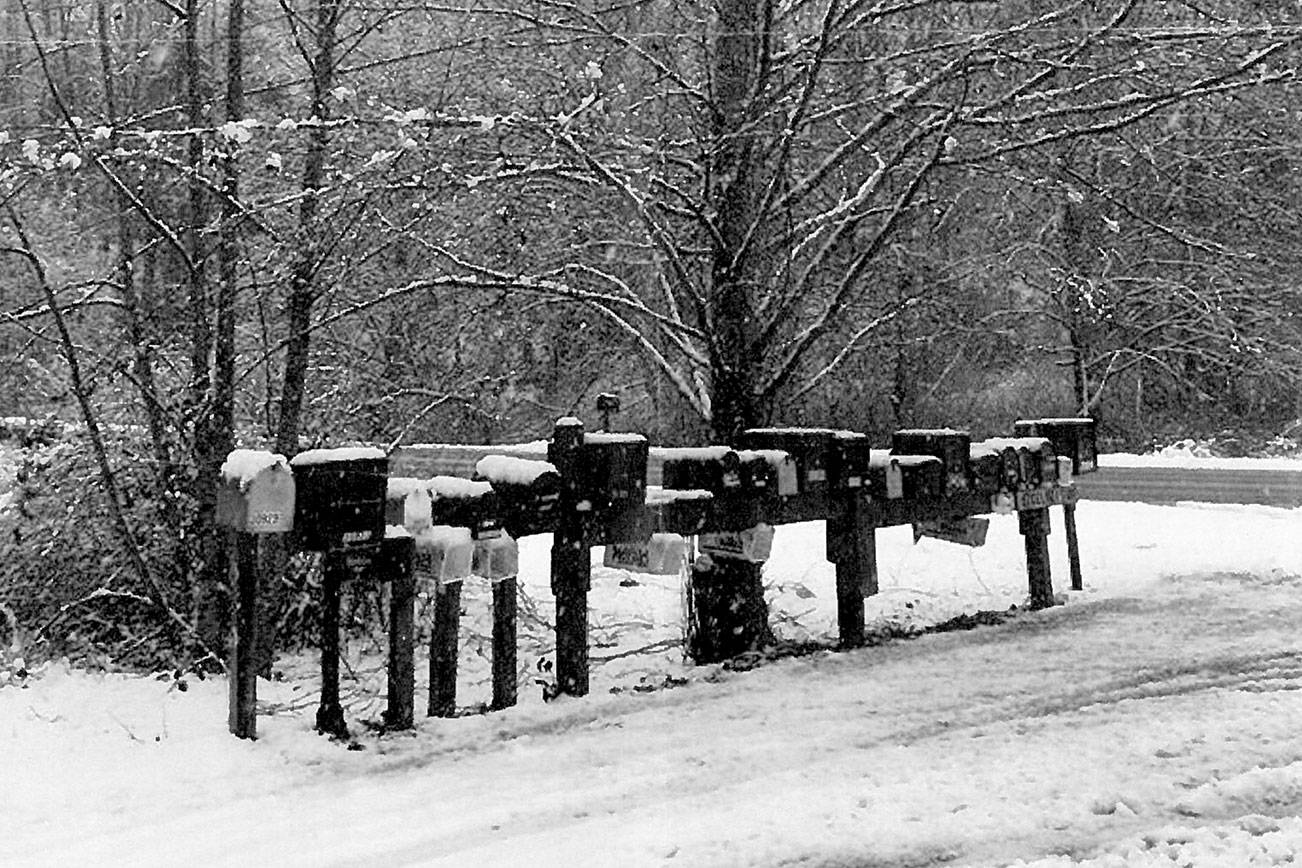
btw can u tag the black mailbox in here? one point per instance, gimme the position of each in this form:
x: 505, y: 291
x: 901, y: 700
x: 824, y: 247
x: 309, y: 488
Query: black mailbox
x: 850, y: 461
x: 986, y: 470
x: 716, y: 469
x: 683, y: 512
x: 1009, y: 462
x: 527, y: 491
x: 1048, y: 464
x: 611, y: 472
x: 465, y: 503
x: 1073, y: 438
x: 950, y: 446
x: 341, y: 496
x: 922, y: 477
x: 811, y: 448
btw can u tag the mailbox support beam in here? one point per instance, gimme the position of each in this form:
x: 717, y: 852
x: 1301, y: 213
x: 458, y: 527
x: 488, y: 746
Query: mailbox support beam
x: 1073, y: 547
x: 396, y: 561
x: 443, y: 650
x: 852, y: 547
x: 1034, y: 525
x: 330, y: 714
x: 571, y: 578
x: 243, y: 722
x: 571, y: 565
x: 504, y: 643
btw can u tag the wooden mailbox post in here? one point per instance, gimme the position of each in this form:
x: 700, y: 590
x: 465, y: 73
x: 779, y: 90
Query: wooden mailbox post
x: 257, y: 496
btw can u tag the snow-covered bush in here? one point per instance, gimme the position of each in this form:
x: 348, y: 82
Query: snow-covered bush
x: 64, y: 575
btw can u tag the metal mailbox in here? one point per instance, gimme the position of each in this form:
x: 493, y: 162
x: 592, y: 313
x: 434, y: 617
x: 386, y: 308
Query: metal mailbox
x: 922, y: 477
x: 612, y: 471
x: 1075, y: 438
x: 885, y: 481
x: 739, y: 482
x: 608, y: 486
x: 811, y: 448
x: 527, y: 491
x: 952, y: 447
x: 683, y: 512
x: 986, y: 470
x: 850, y: 460
x: 341, y: 497
x: 1048, y: 465
x: 408, y: 503
x: 716, y: 469
x: 257, y: 493
x: 465, y: 503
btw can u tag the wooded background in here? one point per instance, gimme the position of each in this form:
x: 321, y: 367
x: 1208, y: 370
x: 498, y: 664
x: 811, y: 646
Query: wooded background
x: 283, y: 223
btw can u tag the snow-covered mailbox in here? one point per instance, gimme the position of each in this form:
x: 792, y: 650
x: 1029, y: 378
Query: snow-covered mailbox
x: 257, y: 493
x: 607, y: 485
x: 465, y: 503
x: 1073, y: 438
x: 849, y: 461
x: 527, y: 492
x: 740, y: 483
x: 950, y: 446
x: 341, y: 497
x: 810, y: 448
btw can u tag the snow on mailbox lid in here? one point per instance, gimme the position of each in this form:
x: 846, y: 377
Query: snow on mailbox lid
x: 257, y: 492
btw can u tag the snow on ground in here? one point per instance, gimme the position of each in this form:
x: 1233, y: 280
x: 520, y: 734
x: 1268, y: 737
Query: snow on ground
x: 1148, y: 721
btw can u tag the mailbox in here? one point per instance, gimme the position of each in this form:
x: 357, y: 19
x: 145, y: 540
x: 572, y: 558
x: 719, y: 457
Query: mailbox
x: 922, y: 477
x: 716, y: 469
x: 1074, y: 438
x: 662, y: 555
x: 950, y: 446
x: 257, y: 493
x: 1028, y: 466
x: 443, y: 554
x: 743, y: 485
x: 811, y: 448
x: 679, y: 511
x: 408, y: 503
x: 528, y: 492
x: 753, y: 544
x: 851, y: 456
x: 341, y: 498
x: 986, y: 469
x: 465, y: 503
x: 885, y: 480
x: 1064, y: 470
x: 496, y: 557
x: 1048, y: 465
x: 1021, y: 460
x: 611, y: 472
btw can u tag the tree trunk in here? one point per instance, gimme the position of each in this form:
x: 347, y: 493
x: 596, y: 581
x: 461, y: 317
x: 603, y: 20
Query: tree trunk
x: 741, y: 50
x: 213, y: 594
x: 732, y: 615
x: 222, y: 434
x: 303, y: 284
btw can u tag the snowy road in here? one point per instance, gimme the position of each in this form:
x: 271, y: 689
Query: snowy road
x: 1125, y: 726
